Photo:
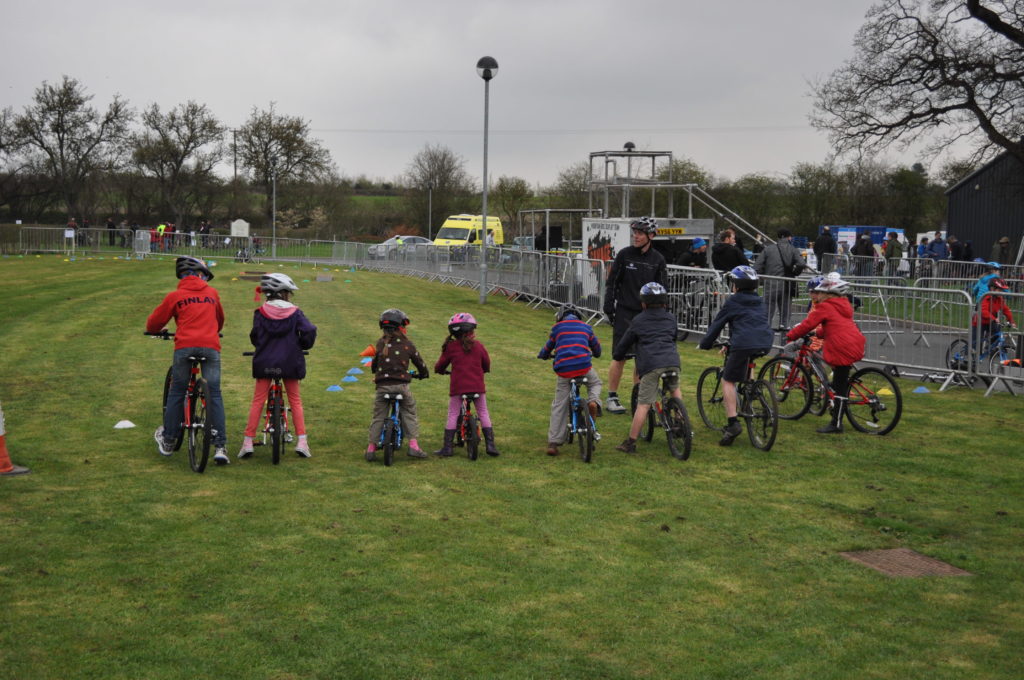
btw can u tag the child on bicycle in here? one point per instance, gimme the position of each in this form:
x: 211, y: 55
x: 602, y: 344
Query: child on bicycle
x: 844, y: 343
x: 986, y: 321
x: 195, y: 307
x: 469, y: 360
x: 280, y: 333
x: 653, y: 331
x: 749, y: 336
x: 390, y: 368
x: 573, y: 343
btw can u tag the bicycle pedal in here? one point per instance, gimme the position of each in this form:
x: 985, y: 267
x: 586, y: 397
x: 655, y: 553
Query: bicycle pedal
x: 288, y: 437
x: 597, y: 436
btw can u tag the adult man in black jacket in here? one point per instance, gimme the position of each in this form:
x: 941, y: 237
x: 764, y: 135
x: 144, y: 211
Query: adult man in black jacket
x: 825, y: 250
x: 633, y: 266
x: 726, y: 254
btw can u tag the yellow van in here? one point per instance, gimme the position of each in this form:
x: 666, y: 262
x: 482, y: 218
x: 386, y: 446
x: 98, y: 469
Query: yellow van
x: 460, y: 230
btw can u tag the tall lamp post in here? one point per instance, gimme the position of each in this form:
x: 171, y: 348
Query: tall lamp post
x: 273, y: 208
x: 486, y: 68
x: 430, y: 209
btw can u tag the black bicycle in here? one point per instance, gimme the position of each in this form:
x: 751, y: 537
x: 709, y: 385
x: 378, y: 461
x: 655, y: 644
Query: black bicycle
x: 756, y: 404
x: 670, y: 414
x: 195, y: 425
x: 580, y: 425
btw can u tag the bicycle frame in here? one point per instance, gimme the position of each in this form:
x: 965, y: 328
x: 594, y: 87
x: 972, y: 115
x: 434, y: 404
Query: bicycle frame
x: 276, y: 393
x: 575, y: 401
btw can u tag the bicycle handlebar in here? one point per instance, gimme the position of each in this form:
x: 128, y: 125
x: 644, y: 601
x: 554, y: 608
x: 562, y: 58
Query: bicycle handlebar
x: 167, y: 335
x: 249, y: 354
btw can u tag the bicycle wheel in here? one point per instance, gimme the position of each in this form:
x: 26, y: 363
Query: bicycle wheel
x: 389, y: 442
x: 875, y: 402
x: 819, y: 396
x: 647, y: 429
x: 472, y: 437
x: 200, y: 429
x: 709, y: 398
x: 997, y: 365
x: 678, y: 430
x: 276, y: 427
x: 792, y: 383
x: 585, y: 431
x: 163, y: 407
x: 957, y: 355
x: 760, y: 410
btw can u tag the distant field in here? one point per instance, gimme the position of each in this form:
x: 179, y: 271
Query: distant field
x: 119, y: 563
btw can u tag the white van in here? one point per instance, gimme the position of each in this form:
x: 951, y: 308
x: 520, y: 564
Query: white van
x: 460, y: 230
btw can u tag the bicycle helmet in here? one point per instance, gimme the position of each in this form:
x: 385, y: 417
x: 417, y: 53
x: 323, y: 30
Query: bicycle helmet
x: 833, y: 285
x: 566, y: 310
x: 743, y: 277
x: 393, y: 318
x: 276, y: 283
x: 648, y: 225
x: 814, y: 282
x: 997, y: 284
x: 993, y: 265
x: 192, y: 266
x: 653, y: 293
x: 462, y: 322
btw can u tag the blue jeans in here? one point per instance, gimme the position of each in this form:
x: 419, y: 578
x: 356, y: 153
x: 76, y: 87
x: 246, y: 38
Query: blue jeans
x: 180, y: 374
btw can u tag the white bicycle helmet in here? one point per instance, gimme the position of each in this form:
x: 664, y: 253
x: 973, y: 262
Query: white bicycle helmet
x: 833, y: 286
x: 648, y: 225
x: 276, y: 283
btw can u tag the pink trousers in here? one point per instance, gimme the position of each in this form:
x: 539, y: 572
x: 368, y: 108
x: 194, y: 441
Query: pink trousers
x: 259, y: 400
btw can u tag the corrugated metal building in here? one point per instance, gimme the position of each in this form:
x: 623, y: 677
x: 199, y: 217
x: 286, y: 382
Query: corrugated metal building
x: 988, y: 204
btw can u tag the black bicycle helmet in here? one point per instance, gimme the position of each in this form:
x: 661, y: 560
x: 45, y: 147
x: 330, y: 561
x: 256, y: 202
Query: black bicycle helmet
x: 653, y: 293
x: 564, y: 311
x: 185, y: 266
x: 393, y: 318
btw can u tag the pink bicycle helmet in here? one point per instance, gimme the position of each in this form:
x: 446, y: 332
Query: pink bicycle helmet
x: 462, y: 322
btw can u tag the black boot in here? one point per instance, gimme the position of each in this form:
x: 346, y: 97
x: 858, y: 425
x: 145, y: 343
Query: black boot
x: 446, y: 448
x: 492, y: 450
x: 836, y: 426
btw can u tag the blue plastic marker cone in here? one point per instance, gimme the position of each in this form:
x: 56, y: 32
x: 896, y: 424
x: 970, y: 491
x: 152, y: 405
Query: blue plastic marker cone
x: 355, y: 371
x: 921, y: 390
x: 349, y: 378
x: 366, y: 360
x: 335, y: 388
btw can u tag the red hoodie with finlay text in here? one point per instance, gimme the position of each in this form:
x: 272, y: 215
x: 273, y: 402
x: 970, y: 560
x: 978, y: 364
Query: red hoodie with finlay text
x: 195, y: 307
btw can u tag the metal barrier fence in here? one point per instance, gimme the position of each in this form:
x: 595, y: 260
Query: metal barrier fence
x: 908, y: 327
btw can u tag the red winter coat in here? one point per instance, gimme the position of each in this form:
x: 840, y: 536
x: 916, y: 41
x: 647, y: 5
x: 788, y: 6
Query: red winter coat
x: 468, y: 368
x: 844, y: 343
x: 195, y: 308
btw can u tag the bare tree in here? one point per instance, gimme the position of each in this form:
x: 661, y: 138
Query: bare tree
x: 930, y: 70
x: 510, y: 195
x: 571, y: 186
x: 179, y: 149
x: 438, y: 180
x: 270, y: 144
x: 72, y: 138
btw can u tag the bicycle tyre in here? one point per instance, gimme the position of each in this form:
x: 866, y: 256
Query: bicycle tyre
x: 819, y: 396
x: 761, y: 410
x: 875, y: 402
x: 647, y: 429
x: 584, y: 432
x: 163, y: 408
x: 679, y: 432
x: 276, y: 427
x: 709, y: 398
x: 793, y: 386
x: 200, y: 431
x: 472, y: 437
x: 1007, y: 352
x: 389, y: 442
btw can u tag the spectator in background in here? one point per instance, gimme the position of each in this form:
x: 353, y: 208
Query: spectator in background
x: 937, y: 249
x: 825, y: 250
x: 893, y: 253
x: 1001, y: 251
x: 111, y: 231
x: 968, y: 252
x: 956, y: 248
x: 696, y: 255
x: 864, y: 252
x: 725, y: 255
x: 781, y: 261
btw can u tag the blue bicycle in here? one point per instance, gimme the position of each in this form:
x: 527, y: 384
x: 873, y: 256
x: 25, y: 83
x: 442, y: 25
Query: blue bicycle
x: 998, y: 349
x: 581, y: 424
x: 391, y: 436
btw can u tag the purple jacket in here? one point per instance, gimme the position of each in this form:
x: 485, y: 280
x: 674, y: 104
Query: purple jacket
x: 279, y: 334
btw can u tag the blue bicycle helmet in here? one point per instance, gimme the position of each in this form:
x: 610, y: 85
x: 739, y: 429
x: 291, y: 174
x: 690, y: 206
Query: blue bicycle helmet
x: 743, y: 277
x: 814, y: 282
x: 653, y: 293
x: 993, y: 265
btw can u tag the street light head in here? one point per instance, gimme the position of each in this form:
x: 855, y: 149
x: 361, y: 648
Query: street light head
x: 629, y: 146
x: 487, y: 67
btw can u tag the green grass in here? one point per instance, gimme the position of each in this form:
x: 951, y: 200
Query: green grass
x: 119, y: 563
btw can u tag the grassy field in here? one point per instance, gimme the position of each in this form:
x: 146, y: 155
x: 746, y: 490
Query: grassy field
x: 119, y: 563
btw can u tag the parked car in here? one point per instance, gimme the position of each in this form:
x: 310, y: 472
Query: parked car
x: 391, y: 249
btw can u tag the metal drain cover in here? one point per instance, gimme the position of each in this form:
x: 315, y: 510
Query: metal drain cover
x: 904, y: 563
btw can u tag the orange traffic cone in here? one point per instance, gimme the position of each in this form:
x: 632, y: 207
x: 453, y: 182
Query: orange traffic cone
x: 7, y: 468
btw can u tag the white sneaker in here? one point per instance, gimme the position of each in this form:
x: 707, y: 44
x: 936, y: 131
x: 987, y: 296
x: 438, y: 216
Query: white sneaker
x: 220, y: 456
x: 162, y: 446
x: 302, y: 449
x: 245, y: 453
x: 613, y: 405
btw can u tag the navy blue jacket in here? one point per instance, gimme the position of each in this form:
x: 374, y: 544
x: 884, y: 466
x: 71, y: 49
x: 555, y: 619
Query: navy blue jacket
x: 654, y: 332
x: 748, y: 323
x: 279, y: 343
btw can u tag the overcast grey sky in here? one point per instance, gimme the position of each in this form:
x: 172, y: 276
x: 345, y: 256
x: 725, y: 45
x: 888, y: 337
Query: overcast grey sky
x: 721, y: 82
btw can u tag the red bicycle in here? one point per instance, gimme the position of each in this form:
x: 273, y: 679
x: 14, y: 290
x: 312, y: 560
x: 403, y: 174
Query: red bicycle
x: 275, y: 419
x: 194, y: 422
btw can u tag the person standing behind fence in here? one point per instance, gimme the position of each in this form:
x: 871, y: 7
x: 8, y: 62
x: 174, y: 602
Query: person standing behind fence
x: 893, y: 253
x: 864, y: 254
x: 825, y: 250
x: 1001, y: 251
x: 937, y: 249
x: 633, y: 266
x: 782, y: 261
x: 956, y: 248
x: 696, y: 255
x: 726, y: 255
